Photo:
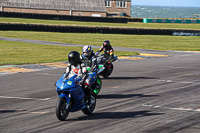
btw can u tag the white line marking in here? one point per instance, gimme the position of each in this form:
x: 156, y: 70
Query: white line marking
x: 37, y: 112
x: 170, y: 81
x: 181, y: 109
x: 187, y: 82
x: 111, y: 86
x: 23, y: 111
x: 26, y: 98
x: 46, y: 74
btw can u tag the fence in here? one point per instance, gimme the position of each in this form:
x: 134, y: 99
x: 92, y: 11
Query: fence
x: 145, y: 20
x: 103, y: 30
x: 63, y: 17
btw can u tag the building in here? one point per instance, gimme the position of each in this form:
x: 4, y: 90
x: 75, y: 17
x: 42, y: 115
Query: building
x: 61, y: 7
x: 97, y: 8
x: 118, y: 7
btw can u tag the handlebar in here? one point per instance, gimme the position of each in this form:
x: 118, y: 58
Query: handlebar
x: 97, y: 53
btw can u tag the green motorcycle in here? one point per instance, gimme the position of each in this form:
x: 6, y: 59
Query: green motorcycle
x: 96, y: 86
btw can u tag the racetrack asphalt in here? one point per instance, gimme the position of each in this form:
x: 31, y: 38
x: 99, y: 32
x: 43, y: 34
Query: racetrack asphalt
x: 153, y: 95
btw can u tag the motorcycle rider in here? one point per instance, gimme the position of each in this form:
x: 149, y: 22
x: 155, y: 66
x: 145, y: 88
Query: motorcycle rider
x: 89, y: 57
x: 77, y: 67
x: 108, y: 51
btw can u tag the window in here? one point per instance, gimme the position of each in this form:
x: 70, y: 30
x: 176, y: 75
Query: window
x: 108, y: 3
x: 121, y: 4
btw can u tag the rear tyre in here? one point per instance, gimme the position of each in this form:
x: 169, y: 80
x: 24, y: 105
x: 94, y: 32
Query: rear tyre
x: 98, y: 85
x: 108, y: 71
x: 62, y: 109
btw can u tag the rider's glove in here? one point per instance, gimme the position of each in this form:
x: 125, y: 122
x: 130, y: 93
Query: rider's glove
x: 87, y: 87
x: 97, y: 53
x: 81, y: 82
x: 77, y: 80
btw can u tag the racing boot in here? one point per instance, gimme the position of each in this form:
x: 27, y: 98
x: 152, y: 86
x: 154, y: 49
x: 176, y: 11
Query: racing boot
x: 89, y: 92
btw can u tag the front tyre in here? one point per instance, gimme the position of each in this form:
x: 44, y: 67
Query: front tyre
x: 90, y: 107
x: 62, y: 109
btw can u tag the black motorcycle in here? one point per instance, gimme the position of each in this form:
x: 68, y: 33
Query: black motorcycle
x: 105, y: 66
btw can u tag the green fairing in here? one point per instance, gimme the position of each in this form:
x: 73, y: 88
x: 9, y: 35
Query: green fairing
x: 99, y: 81
x: 100, y: 66
x: 96, y: 91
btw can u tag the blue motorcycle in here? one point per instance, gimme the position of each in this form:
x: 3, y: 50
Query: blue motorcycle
x: 72, y: 97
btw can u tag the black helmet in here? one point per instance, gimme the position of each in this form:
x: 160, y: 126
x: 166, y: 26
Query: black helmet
x: 106, y: 44
x: 74, y: 58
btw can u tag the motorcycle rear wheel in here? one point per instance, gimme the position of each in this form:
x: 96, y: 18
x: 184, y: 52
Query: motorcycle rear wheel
x: 99, y: 84
x: 90, y: 108
x: 108, y: 72
x: 61, y: 111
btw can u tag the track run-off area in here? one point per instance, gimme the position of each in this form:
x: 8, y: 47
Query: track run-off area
x: 156, y: 94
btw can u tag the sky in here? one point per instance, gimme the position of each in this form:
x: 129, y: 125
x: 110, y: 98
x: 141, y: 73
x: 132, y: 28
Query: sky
x: 186, y: 3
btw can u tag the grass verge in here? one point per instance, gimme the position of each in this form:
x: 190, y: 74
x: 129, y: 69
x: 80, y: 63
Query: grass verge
x: 155, y: 42
x: 16, y: 53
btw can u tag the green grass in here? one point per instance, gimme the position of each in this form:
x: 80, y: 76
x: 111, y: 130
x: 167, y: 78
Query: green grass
x: 77, y: 23
x: 15, y: 53
x: 155, y: 42
x: 23, y: 53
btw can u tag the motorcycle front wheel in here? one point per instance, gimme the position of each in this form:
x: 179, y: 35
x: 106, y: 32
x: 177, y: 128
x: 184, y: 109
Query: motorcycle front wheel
x: 62, y: 109
x: 90, y: 108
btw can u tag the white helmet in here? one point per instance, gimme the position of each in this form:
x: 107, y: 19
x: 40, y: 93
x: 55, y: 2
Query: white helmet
x: 87, y: 50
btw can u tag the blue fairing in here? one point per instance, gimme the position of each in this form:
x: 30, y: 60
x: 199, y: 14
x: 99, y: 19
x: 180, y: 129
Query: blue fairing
x: 63, y: 95
x: 68, y: 89
x: 64, y: 83
x: 93, y: 76
x: 66, y: 97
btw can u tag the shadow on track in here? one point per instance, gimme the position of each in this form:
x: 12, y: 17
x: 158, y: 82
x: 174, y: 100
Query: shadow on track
x: 11, y: 111
x: 117, y: 96
x: 116, y: 115
x: 125, y: 78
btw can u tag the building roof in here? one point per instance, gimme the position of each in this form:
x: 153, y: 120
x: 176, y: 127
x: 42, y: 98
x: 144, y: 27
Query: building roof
x: 78, y: 5
x: 119, y: 0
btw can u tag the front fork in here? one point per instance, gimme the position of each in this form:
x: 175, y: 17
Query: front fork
x: 67, y: 98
